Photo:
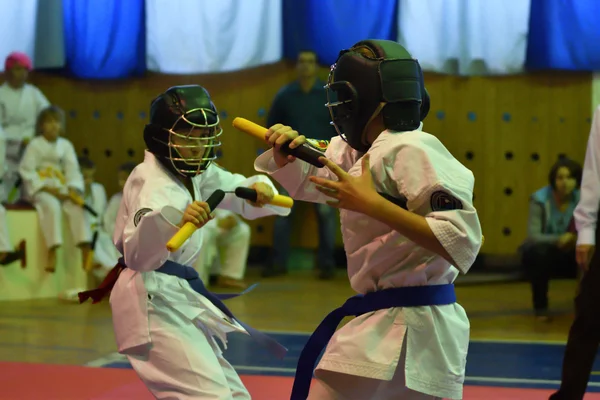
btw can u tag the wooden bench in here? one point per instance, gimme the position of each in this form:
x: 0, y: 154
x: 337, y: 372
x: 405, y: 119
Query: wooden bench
x: 32, y: 282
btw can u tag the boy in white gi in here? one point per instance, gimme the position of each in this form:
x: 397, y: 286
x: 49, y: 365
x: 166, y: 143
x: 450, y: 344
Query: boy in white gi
x: 410, y: 337
x: 8, y: 254
x: 20, y: 104
x: 51, y: 178
x: 165, y: 320
x: 105, y: 253
x: 229, y: 239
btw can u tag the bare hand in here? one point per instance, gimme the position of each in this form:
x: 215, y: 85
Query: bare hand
x: 227, y: 223
x: 264, y: 194
x: 583, y: 255
x: 355, y: 193
x: 198, y: 213
x: 279, y: 134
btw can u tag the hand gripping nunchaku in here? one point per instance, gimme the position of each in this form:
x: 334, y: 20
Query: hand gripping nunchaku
x: 213, y: 201
x: 303, y: 152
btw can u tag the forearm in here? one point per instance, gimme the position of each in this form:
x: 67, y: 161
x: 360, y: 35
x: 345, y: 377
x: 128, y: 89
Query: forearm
x: 545, y: 238
x: 410, y: 225
x: 294, y: 177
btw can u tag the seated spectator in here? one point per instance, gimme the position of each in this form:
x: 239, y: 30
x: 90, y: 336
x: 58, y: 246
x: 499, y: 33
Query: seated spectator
x: 227, y: 239
x: 8, y: 254
x: 53, y: 183
x: 105, y: 253
x: 549, y: 250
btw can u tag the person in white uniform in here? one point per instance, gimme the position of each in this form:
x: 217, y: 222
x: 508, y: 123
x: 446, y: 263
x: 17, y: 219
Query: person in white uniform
x: 8, y: 254
x: 228, y: 244
x: 165, y: 321
x: 409, y: 228
x: 112, y: 209
x: 105, y: 254
x: 51, y: 180
x: 20, y: 104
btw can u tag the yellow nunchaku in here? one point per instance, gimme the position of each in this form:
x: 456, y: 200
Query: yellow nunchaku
x: 213, y: 201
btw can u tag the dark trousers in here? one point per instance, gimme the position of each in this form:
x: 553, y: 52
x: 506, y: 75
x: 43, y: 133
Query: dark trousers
x: 584, y: 336
x: 544, y: 261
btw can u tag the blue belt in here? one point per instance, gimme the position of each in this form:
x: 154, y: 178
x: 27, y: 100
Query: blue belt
x: 413, y: 296
x: 190, y: 275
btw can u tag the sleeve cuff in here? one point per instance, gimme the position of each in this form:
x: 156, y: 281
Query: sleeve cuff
x: 265, y: 163
x: 172, y: 216
x: 586, y: 236
x: 463, y: 250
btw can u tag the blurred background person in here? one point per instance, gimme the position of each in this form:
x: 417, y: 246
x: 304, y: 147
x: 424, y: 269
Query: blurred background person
x: 301, y: 104
x: 549, y: 250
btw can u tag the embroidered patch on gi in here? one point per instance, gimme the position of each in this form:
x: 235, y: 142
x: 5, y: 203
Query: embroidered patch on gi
x: 442, y: 201
x: 138, y: 215
x: 318, y: 144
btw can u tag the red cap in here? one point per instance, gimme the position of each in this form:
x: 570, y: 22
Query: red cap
x: 17, y: 58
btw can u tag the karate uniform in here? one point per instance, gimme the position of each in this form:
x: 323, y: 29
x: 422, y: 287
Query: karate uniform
x: 19, y: 110
x: 5, y: 246
x: 54, y: 165
x: 105, y: 252
x: 410, y: 352
x: 110, y: 214
x: 227, y: 250
x: 165, y: 328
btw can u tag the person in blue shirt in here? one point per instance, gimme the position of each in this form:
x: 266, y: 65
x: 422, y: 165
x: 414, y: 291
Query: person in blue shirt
x: 549, y: 249
x: 301, y: 104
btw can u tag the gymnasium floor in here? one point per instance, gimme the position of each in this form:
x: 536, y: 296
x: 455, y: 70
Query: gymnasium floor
x: 62, y: 351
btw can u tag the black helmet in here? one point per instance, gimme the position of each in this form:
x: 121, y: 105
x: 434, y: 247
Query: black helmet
x: 375, y: 76
x: 184, y: 129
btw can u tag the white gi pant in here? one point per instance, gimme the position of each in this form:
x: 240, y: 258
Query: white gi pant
x: 183, y: 361
x: 232, y: 248
x: 50, y: 211
x: 5, y: 246
x: 331, y: 385
x: 11, y: 175
x: 105, y: 254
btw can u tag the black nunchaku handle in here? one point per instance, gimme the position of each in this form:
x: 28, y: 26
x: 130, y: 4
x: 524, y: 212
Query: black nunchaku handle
x: 215, y: 199
x: 305, y: 153
x: 246, y: 193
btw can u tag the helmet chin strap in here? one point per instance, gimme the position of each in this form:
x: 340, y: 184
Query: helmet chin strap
x: 364, y: 138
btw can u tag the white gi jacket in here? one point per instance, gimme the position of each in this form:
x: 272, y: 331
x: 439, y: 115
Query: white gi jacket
x: 105, y: 252
x: 2, y: 158
x: 152, y: 206
x: 50, y: 164
x: 19, y: 110
x: 4, y: 240
x: 586, y: 212
x: 417, y: 166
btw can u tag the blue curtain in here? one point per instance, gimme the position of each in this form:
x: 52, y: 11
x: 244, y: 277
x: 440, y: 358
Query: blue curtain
x: 328, y: 26
x: 564, y: 34
x: 105, y: 39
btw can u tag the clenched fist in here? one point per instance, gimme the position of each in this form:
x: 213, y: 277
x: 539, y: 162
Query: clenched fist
x: 198, y: 213
x: 279, y: 134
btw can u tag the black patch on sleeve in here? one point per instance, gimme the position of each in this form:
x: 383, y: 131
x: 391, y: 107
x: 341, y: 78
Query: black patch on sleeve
x: 442, y: 201
x: 139, y: 214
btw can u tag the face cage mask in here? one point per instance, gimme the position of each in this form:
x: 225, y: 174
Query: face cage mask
x: 206, y: 144
x: 333, y: 103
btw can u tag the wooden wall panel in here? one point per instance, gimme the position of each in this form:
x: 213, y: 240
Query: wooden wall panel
x: 546, y: 113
